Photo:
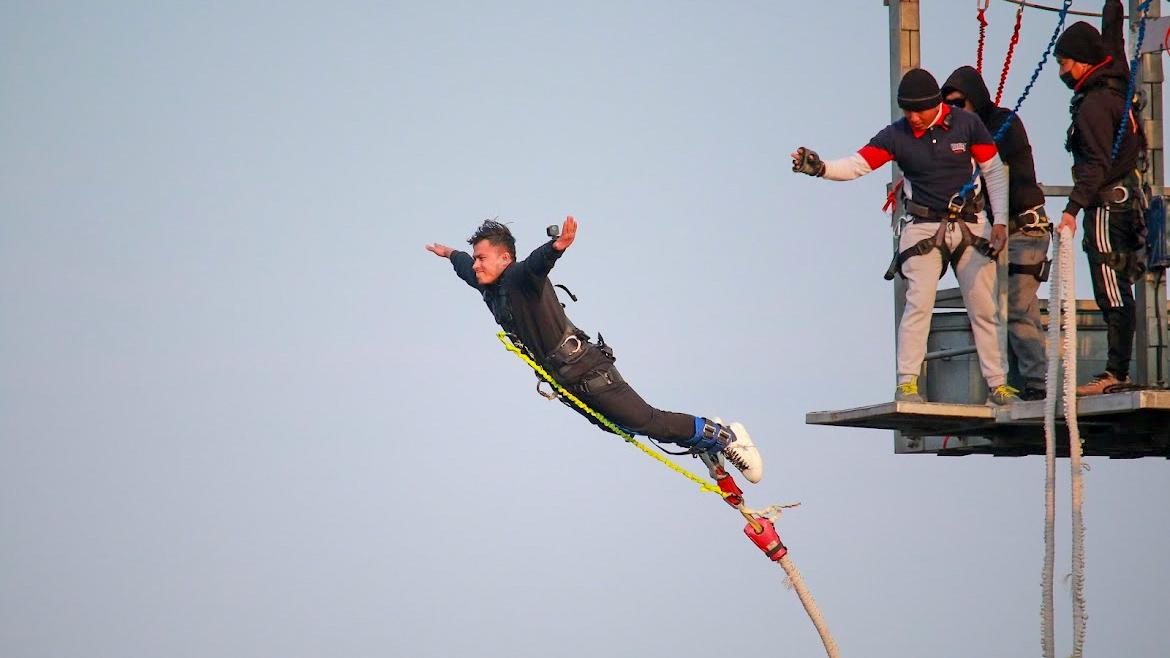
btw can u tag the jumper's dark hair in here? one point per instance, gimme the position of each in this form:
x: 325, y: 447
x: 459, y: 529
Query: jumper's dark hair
x: 496, y: 234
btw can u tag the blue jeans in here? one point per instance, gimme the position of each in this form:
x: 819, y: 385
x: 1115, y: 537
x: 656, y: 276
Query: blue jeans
x: 1025, y: 331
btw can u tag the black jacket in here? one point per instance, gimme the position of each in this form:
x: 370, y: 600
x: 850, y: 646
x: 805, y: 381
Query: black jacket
x: 1097, y: 106
x: 522, y: 300
x: 1014, y: 148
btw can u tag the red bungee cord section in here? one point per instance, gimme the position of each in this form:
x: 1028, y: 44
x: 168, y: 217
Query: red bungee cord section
x: 982, y: 18
x: 1007, y: 61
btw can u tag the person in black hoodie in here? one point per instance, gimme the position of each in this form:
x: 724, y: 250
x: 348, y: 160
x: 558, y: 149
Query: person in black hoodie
x: 1028, y: 226
x: 1107, y: 188
x: 522, y: 301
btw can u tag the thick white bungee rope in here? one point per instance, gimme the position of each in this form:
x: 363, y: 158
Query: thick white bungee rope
x: 1053, y: 352
x: 1068, y: 282
x: 1062, y: 341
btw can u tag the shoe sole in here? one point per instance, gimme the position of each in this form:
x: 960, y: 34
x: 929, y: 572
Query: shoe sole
x: 746, y: 447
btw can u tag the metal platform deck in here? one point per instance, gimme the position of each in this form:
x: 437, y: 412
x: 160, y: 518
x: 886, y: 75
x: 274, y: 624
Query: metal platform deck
x: 1122, y: 425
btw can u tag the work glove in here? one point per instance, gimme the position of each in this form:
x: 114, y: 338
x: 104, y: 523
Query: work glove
x: 806, y: 161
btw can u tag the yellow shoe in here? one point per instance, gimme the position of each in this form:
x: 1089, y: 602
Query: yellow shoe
x: 908, y: 392
x: 1002, y: 396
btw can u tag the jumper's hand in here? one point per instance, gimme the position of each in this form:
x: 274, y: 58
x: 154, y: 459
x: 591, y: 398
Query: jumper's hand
x: 999, y: 236
x: 440, y: 250
x: 1068, y: 221
x: 806, y: 161
x: 568, y: 234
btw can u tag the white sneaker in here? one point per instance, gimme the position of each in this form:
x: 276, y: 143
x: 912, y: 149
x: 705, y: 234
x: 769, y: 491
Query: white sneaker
x: 742, y: 454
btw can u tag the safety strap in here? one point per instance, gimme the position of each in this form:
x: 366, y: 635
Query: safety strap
x: 926, y: 213
x: 1039, y: 270
x: 920, y: 248
x: 600, y: 380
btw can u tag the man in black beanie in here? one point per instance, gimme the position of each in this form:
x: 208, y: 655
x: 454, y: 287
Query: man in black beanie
x: 1028, y: 227
x: 1107, y: 188
x: 937, y: 147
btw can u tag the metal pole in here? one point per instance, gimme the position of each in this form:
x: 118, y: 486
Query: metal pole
x: 904, y: 55
x: 1149, y: 295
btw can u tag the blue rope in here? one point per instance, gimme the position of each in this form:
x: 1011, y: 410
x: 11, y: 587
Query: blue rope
x: 1133, y: 68
x: 1027, y: 90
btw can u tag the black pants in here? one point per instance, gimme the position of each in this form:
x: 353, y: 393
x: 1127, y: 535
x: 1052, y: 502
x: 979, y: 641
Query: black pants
x: 621, y: 404
x: 1111, y: 240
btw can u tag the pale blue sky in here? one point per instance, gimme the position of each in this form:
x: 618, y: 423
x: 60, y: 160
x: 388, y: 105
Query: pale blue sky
x: 243, y: 413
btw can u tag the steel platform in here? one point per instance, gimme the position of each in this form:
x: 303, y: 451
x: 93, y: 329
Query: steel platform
x: 1120, y: 425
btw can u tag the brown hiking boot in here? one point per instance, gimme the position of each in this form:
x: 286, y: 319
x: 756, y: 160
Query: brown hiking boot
x: 1100, y: 383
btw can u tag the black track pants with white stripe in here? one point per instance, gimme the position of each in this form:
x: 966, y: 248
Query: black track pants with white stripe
x: 1112, y: 231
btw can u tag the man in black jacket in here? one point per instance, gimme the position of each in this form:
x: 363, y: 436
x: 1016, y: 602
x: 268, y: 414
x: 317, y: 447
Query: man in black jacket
x: 523, y: 302
x: 1107, y: 187
x: 1028, y: 227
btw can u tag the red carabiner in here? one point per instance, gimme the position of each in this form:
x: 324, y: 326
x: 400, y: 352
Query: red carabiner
x: 766, y: 539
x: 733, y: 494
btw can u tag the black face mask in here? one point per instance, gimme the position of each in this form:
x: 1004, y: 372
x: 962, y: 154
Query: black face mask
x: 1068, y: 79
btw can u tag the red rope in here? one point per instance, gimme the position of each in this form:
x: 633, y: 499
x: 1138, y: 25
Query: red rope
x: 892, y: 197
x: 1007, y: 62
x: 982, y: 39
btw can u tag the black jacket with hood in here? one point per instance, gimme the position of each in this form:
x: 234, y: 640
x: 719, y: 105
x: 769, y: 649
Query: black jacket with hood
x: 1014, y: 148
x: 1097, y: 106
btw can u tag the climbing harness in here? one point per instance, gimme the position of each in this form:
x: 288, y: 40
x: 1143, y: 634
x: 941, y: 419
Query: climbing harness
x: 1032, y: 220
x: 760, y: 528
x: 953, y: 215
x: 512, y: 346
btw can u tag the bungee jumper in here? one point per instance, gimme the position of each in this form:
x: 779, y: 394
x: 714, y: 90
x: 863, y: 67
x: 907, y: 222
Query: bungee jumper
x: 939, y: 148
x: 1028, y: 226
x: 523, y: 302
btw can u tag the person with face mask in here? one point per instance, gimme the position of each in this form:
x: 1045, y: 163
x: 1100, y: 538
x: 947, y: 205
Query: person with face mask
x: 938, y: 147
x: 1106, y: 188
x: 1028, y: 227
x: 522, y: 301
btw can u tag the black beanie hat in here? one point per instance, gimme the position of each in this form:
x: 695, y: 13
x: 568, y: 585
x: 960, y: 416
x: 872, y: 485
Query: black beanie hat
x: 918, y: 91
x: 1081, y: 42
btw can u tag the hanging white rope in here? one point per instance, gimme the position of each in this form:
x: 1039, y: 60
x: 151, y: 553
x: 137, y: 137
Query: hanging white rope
x: 1068, y: 281
x: 1052, y: 388
x: 810, y: 605
x: 796, y: 581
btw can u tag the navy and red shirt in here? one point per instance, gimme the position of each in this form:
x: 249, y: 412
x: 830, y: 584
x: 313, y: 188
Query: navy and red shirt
x: 937, y: 161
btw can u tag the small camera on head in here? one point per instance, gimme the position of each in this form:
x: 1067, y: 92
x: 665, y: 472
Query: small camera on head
x: 553, y: 231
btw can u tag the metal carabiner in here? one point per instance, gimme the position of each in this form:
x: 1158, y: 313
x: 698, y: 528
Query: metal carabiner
x: 551, y: 395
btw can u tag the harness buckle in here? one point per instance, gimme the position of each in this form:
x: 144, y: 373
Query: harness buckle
x: 955, y: 207
x: 900, y: 223
x: 1039, y: 221
x: 1045, y: 270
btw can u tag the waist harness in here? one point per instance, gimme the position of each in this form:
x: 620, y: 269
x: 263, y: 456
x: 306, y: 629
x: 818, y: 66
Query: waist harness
x: 946, y: 219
